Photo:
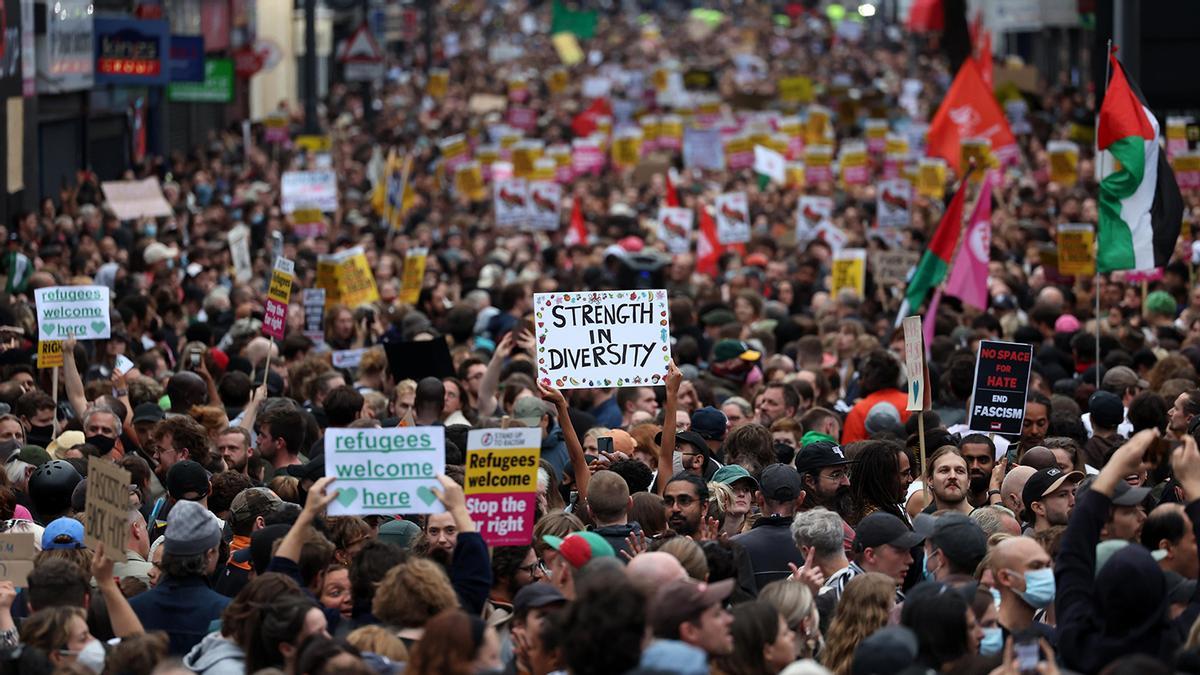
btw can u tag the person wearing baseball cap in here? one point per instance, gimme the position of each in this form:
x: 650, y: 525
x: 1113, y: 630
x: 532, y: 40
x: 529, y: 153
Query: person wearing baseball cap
x: 769, y: 544
x: 247, y: 514
x: 1106, y: 415
x: 694, y: 613
x: 571, y: 553
x: 1049, y: 496
x: 1126, y: 517
x: 697, y: 456
x: 954, y: 545
x: 825, y: 476
x: 882, y: 543
x: 711, y: 425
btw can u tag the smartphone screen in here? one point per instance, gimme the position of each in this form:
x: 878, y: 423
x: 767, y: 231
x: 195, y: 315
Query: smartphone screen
x: 604, y: 444
x: 1027, y: 654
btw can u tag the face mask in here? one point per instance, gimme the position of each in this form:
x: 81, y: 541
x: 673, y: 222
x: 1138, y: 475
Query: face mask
x: 256, y: 219
x: 996, y: 597
x: 104, y: 443
x: 92, y: 656
x: 40, y: 433
x: 927, y: 573
x: 992, y: 642
x: 204, y: 194
x: 7, y: 448
x: 1039, y: 588
x: 151, y: 229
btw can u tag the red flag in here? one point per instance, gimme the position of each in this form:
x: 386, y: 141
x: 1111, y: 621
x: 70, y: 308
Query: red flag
x: 708, y: 248
x: 969, y: 111
x: 984, y: 57
x: 585, y: 122
x: 577, y: 232
x: 926, y: 16
x: 672, y: 196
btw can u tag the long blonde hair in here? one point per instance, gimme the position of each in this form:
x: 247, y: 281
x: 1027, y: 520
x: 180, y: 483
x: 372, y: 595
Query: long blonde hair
x: 862, y: 610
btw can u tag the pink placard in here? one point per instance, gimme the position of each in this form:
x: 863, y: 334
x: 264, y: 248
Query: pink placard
x: 274, y: 319
x: 503, y: 519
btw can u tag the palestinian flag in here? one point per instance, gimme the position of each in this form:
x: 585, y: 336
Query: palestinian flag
x: 1140, y: 206
x: 935, y: 262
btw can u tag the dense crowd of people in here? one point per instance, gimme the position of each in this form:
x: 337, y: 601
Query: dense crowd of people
x: 772, y: 508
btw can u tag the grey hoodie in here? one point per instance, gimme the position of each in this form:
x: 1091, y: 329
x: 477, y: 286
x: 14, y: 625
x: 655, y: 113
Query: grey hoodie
x: 216, y: 655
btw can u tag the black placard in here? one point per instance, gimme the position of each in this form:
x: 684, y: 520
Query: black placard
x: 1001, y: 383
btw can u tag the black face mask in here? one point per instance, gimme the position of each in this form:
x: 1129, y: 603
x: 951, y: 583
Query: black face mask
x: 7, y: 448
x: 104, y: 443
x: 40, y: 435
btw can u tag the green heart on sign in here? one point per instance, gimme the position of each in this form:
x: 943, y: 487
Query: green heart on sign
x: 99, y: 327
x: 426, y: 495
x: 346, y: 496
x: 48, y: 329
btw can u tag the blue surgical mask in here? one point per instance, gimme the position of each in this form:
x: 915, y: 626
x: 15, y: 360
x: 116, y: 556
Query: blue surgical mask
x: 926, y: 573
x: 996, y: 596
x: 992, y: 642
x: 204, y: 193
x: 1039, y: 588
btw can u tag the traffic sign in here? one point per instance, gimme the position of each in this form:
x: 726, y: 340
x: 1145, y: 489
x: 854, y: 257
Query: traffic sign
x: 361, y: 56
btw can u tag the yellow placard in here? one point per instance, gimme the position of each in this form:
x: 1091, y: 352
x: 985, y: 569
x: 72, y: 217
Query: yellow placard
x: 1064, y: 162
x: 817, y: 128
x: 670, y: 126
x: 650, y: 127
x: 849, y: 270
x: 307, y: 216
x: 557, y: 80
x: 509, y: 139
x: 521, y: 476
x: 567, y: 46
x: 561, y: 154
x: 50, y: 353
x: 794, y: 174
x: 487, y: 154
x: 797, y: 89
x: 661, y: 79
x: 543, y: 169
x: 792, y: 127
x: 979, y: 150
x: 468, y: 181
x: 853, y: 161
x: 626, y: 150
x: 1076, y: 249
x: 347, y: 278
x: 414, y: 276
x: 931, y: 178
x: 895, y: 147
x: 438, y: 84
x: 314, y: 143
x: 280, y: 288
x: 453, y: 147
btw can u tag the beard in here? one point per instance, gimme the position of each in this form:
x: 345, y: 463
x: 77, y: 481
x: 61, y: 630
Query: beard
x: 979, y: 483
x: 839, y: 502
x: 682, y: 526
x: 945, y: 496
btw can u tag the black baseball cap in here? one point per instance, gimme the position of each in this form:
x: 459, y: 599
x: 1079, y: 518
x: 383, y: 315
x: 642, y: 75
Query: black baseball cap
x: 710, y: 423
x: 534, y: 596
x: 1106, y: 409
x: 689, y: 437
x: 780, y: 483
x: 818, y: 455
x: 881, y: 528
x: 1123, y: 495
x: 958, y: 537
x: 1046, y: 481
x: 187, y: 478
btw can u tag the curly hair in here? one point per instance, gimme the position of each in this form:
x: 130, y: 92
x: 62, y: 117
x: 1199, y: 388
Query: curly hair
x: 225, y: 486
x: 49, y: 629
x: 186, y: 434
x: 751, y: 446
x: 137, y: 653
x: 246, y: 608
x: 412, y: 593
x: 862, y: 610
x: 879, y: 370
x: 616, y: 611
x: 346, y: 531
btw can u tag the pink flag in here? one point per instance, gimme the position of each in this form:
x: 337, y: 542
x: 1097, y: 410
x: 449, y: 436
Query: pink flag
x: 968, y: 276
x: 928, y: 323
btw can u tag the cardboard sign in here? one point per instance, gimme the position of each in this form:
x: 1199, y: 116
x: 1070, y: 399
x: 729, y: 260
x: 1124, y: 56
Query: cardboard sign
x: 313, y: 300
x: 893, y: 267
x: 107, y: 506
x: 733, y: 218
x: 133, y: 199
x: 849, y: 271
x: 1064, y: 162
x: 347, y: 278
x: 675, y: 228
x: 544, y: 205
x: 1001, y: 384
x: 413, y: 276
x: 602, y: 338
x: 892, y: 203
x: 501, y: 483
x: 309, y: 190
x: 16, y: 557
x: 279, y: 294
x: 78, y: 311
x: 509, y: 202
x: 348, y: 359
x: 239, y: 250
x: 1076, y: 249
x: 385, y: 471
x: 50, y: 353
x: 811, y: 214
x: 914, y: 363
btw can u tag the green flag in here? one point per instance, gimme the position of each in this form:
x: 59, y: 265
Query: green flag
x: 566, y: 20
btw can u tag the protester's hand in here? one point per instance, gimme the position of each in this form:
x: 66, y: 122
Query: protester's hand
x: 118, y: 380
x: 526, y: 342
x: 102, y: 566
x: 259, y: 395
x: 636, y: 542
x: 998, y: 473
x: 552, y: 396
x: 8, y: 594
x: 319, y: 497
x: 809, y: 574
x: 674, y: 377
x: 1128, y: 458
x: 1185, y: 463
x: 710, y: 529
x: 505, y: 347
x: 451, y: 494
x: 69, y: 345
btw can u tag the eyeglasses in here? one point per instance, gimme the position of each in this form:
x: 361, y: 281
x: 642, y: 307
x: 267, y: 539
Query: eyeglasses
x: 838, y: 474
x: 681, y: 500
x: 535, y: 570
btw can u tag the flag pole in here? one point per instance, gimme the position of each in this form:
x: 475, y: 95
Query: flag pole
x: 1100, y: 175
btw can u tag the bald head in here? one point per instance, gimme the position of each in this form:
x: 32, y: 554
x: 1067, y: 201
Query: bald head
x: 1013, y: 486
x: 1015, y: 553
x: 1039, y: 457
x: 650, y: 571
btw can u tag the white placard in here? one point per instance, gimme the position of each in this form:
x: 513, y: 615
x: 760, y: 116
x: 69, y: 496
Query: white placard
x: 385, y: 471
x: 315, y: 190
x: 733, y: 218
x: 239, y: 250
x: 543, y: 205
x: 892, y: 203
x: 675, y: 228
x: 914, y: 362
x: 73, y: 311
x: 811, y: 214
x: 510, y: 198
x: 133, y: 199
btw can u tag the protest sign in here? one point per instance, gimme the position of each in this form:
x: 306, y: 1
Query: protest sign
x: 876, y: 131
x: 16, y: 557
x: 795, y: 175
x: 832, y: 235
x: 602, y: 338
x: 627, y: 148
x: 817, y: 129
x: 733, y: 218
x: 239, y: 250
x: 438, y: 83
x: 501, y: 483
x: 1064, y: 162
x: 811, y: 213
x: 468, y: 181
x: 347, y: 278
x: 279, y: 294
x: 524, y: 154
x: 818, y: 163
x: 413, y: 276
x: 796, y: 89
x: 770, y: 163
x: 509, y: 199
x: 1076, y: 249
x: 543, y: 204
x: 977, y: 151
x: 72, y: 311
x: 50, y: 353
x: 675, y: 228
x: 1177, y: 140
x: 106, y: 509
x: 133, y: 199
x: 892, y: 203
x: 1187, y: 169
x: 853, y: 164
x: 348, y: 359
x: 914, y: 362
x: 1143, y: 276
x: 309, y: 190
x: 892, y: 267
x: 702, y: 149
x: 1001, y: 383
x: 313, y: 300
x: 849, y: 271
x: 931, y: 177
x: 385, y: 471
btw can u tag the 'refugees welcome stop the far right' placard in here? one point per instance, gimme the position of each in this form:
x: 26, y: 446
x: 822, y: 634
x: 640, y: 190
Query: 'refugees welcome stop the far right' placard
x: 602, y: 338
x: 385, y: 471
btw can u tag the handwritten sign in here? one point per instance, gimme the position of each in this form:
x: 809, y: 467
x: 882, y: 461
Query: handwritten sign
x: 279, y: 293
x: 501, y: 483
x: 1076, y: 249
x: 309, y: 190
x: 1001, y: 384
x: 16, y: 557
x: 50, y: 353
x: 892, y: 267
x: 414, y: 275
x: 107, y: 506
x: 849, y: 271
x: 347, y: 278
x: 602, y: 338
x: 733, y: 218
x: 675, y: 228
x: 133, y: 199
x: 914, y: 362
x: 72, y: 311
x: 385, y: 471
